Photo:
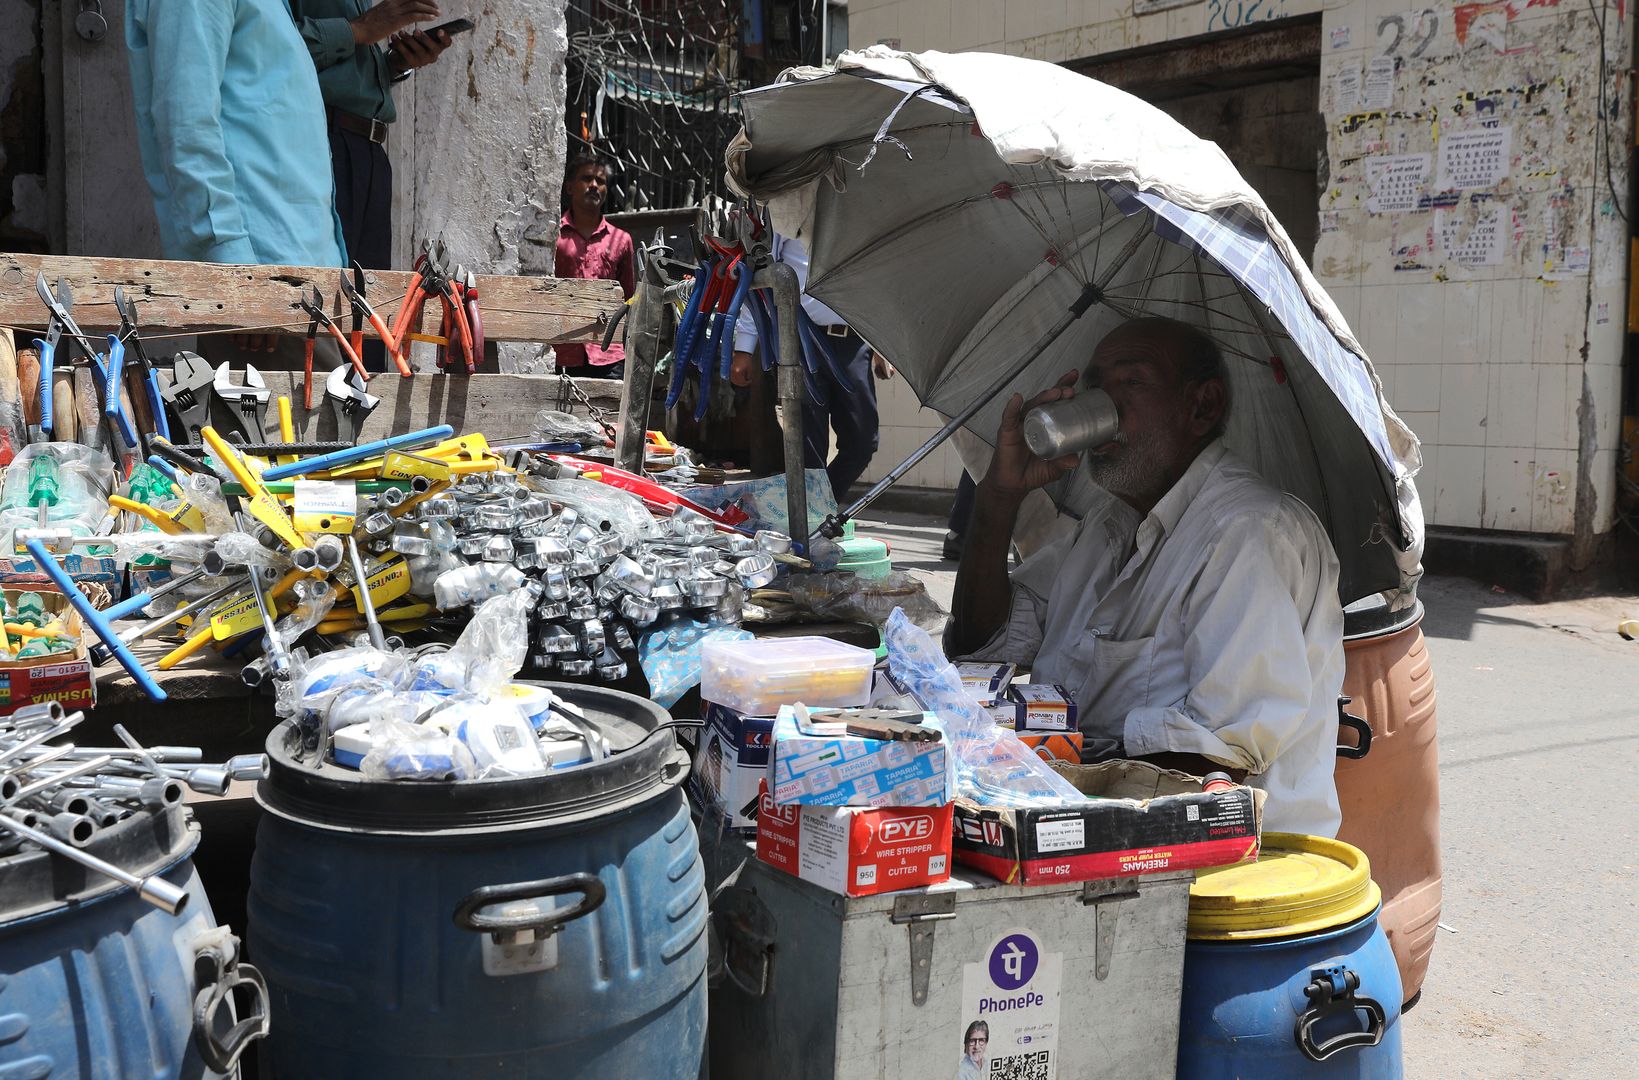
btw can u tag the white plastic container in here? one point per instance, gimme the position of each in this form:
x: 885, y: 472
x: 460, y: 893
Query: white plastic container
x: 754, y: 678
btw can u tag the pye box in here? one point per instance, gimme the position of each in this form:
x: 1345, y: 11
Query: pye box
x: 1146, y: 820
x: 856, y: 851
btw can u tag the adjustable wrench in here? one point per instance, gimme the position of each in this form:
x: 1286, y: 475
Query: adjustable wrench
x: 185, y: 393
x: 348, y: 402
x: 247, y: 401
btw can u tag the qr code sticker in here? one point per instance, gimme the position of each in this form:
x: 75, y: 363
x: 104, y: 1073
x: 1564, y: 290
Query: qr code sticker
x: 1036, y: 1066
x: 1193, y: 813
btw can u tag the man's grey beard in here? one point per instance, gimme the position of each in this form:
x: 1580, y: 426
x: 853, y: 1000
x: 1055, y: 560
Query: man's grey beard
x: 1136, y: 471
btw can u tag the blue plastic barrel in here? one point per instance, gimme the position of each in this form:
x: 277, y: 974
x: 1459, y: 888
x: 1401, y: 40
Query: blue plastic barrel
x: 97, y: 984
x: 1283, y: 974
x: 550, y: 927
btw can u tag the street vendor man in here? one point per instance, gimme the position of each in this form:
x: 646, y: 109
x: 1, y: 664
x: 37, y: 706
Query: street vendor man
x: 1194, y: 612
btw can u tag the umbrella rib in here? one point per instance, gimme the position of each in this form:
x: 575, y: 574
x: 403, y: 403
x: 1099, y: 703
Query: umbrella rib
x: 1034, y: 191
x: 1308, y: 432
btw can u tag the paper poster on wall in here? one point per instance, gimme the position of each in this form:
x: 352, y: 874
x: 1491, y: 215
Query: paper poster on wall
x: 1475, y: 159
x: 1346, y: 89
x: 1478, y: 242
x: 1340, y: 37
x: 1394, y: 183
x: 1010, y: 1011
x: 1378, y: 92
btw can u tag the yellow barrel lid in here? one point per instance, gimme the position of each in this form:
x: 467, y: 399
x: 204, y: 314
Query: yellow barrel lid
x: 1298, y: 885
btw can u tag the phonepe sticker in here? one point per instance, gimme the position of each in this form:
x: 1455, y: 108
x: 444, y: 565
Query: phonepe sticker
x: 1010, y: 1009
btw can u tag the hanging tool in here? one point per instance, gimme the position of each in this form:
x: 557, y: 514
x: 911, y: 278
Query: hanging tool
x: 47, y: 348
x: 363, y: 312
x: 428, y: 276
x: 186, y: 393
x: 110, y: 381
x: 314, y: 306
x: 475, y: 318
x: 349, y: 403
x: 147, y: 396
x: 105, y: 370
x: 248, y: 401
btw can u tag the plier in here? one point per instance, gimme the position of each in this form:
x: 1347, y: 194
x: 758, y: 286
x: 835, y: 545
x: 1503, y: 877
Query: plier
x: 362, y: 312
x: 317, y: 316
x: 106, y: 373
x: 147, y: 375
x: 467, y: 283
x: 428, y: 276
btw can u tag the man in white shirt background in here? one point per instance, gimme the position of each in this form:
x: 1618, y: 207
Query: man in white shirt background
x: 1194, y: 612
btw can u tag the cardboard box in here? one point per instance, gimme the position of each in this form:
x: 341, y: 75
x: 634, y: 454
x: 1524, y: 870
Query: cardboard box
x: 65, y: 678
x: 985, y: 683
x: 79, y: 566
x: 1060, y: 746
x: 838, y: 769
x: 731, y: 765
x: 1043, y: 707
x: 1145, y: 820
x: 856, y: 851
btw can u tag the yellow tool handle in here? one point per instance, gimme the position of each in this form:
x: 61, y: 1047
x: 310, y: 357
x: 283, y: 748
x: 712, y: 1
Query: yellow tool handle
x: 203, y: 637
x: 263, y: 506
x: 287, y: 428
x: 160, y: 521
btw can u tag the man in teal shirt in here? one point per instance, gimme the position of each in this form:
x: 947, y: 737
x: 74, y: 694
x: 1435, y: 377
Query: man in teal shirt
x: 231, y: 127
x: 359, y: 51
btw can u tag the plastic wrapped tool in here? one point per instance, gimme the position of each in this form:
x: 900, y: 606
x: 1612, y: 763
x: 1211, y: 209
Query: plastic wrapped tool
x: 993, y: 768
x: 493, y: 645
x: 475, y: 584
x: 597, y: 503
x: 400, y: 751
x: 671, y: 657
x: 850, y: 598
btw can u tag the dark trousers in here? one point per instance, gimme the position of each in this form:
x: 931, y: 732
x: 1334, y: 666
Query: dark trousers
x: 364, y: 201
x: 961, y: 510
x: 851, y: 413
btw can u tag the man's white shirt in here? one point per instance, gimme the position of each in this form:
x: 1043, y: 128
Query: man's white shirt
x: 1209, y: 626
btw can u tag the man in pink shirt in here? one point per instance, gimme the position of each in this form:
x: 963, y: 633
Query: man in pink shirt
x: 590, y: 247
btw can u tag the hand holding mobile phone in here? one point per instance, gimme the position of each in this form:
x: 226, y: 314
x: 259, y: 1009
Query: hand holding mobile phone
x: 453, y: 27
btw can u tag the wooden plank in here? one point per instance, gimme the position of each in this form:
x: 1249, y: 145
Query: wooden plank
x: 187, y: 297
x: 497, y: 406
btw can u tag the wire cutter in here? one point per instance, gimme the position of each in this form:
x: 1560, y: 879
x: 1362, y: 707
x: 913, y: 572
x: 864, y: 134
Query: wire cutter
x: 146, y: 374
x: 362, y: 312
x: 317, y: 316
x: 428, y: 276
x: 105, y: 372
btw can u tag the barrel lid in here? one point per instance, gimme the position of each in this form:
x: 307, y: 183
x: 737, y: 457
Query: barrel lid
x: 1371, y: 616
x: 1298, y: 885
x: 302, y: 785
x: 35, y: 883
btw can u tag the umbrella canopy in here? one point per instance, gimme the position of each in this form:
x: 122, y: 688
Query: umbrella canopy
x: 956, y: 205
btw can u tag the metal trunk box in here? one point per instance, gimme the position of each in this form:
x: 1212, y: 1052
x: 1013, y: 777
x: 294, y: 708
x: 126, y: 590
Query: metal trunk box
x: 1076, y: 981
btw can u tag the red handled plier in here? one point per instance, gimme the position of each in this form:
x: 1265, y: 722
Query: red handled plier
x: 314, y: 306
x: 429, y: 276
x: 362, y: 313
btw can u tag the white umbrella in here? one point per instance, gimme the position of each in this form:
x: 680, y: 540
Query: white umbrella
x: 957, y: 205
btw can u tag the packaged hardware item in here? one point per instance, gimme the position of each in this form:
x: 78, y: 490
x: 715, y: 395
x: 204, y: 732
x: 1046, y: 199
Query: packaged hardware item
x: 817, y: 762
x: 1043, y: 707
x: 732, y: 764
x: 1054, y: 746
x: 856, y: 851
x: 756, y: 677
x: 985, y: 683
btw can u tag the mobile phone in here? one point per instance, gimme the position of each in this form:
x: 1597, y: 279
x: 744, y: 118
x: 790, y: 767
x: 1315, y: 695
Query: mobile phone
x: 454, y: 26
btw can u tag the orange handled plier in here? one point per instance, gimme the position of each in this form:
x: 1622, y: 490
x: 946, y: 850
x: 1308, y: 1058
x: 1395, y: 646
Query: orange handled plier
x: 314, y: 306
x: 429, y: 275
x: 362, y: 311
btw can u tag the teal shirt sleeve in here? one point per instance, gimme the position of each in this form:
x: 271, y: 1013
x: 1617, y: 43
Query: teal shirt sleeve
x: 190, y: 42
x: 329, y: 41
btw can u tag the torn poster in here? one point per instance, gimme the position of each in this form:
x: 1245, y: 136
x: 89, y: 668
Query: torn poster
x: 1346, y: 89
x: 1480, y: 242
x: 1475, y: 159
x: 1379, y: 87
x: 1394, y: 183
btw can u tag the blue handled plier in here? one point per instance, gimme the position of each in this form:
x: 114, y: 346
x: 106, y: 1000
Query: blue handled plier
x: 105, y: 372
x: 148, y: 376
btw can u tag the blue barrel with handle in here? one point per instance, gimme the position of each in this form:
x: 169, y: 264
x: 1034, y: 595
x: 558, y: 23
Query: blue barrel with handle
x: 1287, y: 972
x: 98, y: 984
x: 549, y: 927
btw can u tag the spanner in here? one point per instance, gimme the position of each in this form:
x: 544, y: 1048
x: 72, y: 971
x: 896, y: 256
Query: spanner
x: 186, y: 393
x: 348, y: 402
x: 247, y: 401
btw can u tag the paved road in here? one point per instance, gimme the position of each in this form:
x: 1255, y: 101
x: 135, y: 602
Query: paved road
x: 1538, y: 973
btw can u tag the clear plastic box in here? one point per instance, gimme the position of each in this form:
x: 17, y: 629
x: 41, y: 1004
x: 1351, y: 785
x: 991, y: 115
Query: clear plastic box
x: 754, y: 678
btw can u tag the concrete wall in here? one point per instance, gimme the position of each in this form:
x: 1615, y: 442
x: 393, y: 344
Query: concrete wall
x: 1494, y: 304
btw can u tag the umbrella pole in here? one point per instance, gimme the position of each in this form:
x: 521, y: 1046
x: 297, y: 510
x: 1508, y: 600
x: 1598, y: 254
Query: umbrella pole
x: 1090, y: 294
x: 783, y: 280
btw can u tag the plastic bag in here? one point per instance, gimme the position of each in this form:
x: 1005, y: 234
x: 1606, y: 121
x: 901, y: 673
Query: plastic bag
x: 492, y: 647
x: 401, y: 751
x: 496, y: 733
x: 848, y: 597
x: 317, y: 681
x: 80, y: 485
x: 243, y: 549
x: 597, y: 503
x: 475, y: 584
x: 764, y: 499
x: 993, y: 768
x: 671, y: 656
x: 554, y: 426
